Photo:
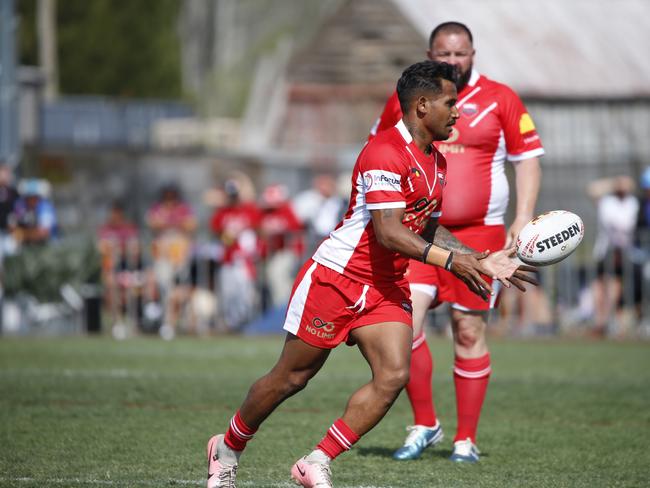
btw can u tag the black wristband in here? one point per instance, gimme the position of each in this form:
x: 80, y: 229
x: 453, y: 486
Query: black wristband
x: 425, y: 253
x: 450, y: 260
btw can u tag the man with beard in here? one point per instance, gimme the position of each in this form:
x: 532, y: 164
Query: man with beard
x: 493, y: 126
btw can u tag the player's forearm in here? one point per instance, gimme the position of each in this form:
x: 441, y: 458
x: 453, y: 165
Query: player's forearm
x: 393, y: 235
x: 446, y: 240
x: 528, y: 177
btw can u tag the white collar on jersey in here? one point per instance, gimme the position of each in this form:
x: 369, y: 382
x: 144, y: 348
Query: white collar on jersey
x: 401, y: 127
x: 473, y: 78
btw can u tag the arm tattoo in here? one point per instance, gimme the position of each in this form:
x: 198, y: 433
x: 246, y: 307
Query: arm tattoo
x: 445, y: 239
x: 430, y: 229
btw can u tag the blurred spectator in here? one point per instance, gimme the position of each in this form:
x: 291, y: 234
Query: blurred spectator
x: 192, y: 304
x: 642, y: 255
x: 172, y: 223
x: 282, y: 243
x: 34, y: 213
x: 617, y: 210
x: 319, y: 209
x: 643, y: 220
x: 127, y: 284
x: 524, y: 314
x: 8, y: 199
x: 236, y: 225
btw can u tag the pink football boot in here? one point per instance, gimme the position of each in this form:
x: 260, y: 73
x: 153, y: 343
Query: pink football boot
x: 219, y: 475
x: 310, y: 475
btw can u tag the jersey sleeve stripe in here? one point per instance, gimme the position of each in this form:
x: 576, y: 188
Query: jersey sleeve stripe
x: 533, y: 153
x: 379, y: 206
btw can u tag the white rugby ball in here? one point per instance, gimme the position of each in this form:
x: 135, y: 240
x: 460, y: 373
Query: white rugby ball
x: 549, y: 238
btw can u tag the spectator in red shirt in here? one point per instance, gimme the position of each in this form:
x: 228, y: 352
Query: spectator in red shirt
x: 236, y: 225
x: 282, y: 242
x: 123, y: 272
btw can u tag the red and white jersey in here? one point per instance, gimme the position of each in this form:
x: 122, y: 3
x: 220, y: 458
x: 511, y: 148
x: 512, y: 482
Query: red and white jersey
x: 390, y: 172
x: 493, y: 126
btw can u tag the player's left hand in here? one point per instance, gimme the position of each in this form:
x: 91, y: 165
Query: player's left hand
x: 514, y: 229
x: 503, y: 266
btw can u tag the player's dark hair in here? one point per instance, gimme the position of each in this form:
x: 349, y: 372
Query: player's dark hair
x: 420, y: 77
x: 450, y: 27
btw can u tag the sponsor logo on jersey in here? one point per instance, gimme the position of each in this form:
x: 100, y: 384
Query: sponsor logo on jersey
x: 321, y: 328
x: 420, y: 204
x: 416, y: 219
x: 442, y: 179
x: 378, y: 180
x: 526, y: 124
x: 559, y: 238
x: 531, y: 139
x: 449, y: 146
x: 469, y: 109
x: 321, y: 324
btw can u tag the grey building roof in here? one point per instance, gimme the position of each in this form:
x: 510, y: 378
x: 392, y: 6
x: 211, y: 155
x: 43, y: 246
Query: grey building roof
x: 552, y: 48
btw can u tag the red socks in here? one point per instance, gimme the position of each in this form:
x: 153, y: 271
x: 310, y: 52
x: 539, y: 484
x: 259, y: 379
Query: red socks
x: 471, y: 377
x: 238, y: 433
x: 419, y: 389
x: 339, y: 438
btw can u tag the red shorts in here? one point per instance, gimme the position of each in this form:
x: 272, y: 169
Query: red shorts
x: 326, y: 305
x: 444, y: 286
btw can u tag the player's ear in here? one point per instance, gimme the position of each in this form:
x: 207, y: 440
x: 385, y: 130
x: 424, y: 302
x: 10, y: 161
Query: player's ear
x: 422, y: 104
x: 430, y: 54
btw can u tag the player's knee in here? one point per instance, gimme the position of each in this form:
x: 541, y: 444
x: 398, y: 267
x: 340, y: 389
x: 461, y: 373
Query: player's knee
x: 296, y: 381
x: 468, y: 334
x: 394, y: 380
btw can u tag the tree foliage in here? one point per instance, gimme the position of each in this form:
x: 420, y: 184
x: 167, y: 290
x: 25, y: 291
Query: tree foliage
x: 111, y: 47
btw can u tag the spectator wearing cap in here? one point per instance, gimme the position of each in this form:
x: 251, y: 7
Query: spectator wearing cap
x: 282, y: 242
x: 35, y: 216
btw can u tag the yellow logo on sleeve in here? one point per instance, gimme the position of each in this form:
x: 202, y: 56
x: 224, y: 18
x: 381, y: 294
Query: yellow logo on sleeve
x: 526, y: 124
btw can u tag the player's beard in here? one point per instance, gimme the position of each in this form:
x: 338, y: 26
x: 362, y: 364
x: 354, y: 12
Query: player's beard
x: 463, y: 78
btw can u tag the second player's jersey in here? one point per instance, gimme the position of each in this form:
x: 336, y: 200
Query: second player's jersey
x: 390, y: 172
x: 493, y: 126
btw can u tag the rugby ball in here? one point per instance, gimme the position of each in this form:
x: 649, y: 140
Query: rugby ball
x: 549, y: 238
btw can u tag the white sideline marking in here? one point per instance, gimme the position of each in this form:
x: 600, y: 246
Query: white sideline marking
x: 160, y: 482
x: 113, y: 373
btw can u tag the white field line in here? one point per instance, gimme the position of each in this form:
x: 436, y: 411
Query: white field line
x: 130, y: 374
x: 159, y: 482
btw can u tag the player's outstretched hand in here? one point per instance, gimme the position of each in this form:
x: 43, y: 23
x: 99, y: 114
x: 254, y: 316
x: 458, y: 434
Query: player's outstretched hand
x: 504, y: 266
x: 468, y: 268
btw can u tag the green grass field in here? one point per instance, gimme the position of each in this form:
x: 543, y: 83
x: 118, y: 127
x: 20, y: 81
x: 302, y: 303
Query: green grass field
x: 95, y: 412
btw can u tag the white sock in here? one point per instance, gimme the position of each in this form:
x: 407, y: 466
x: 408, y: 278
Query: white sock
x: 227, y: 455
x: 317, y: 457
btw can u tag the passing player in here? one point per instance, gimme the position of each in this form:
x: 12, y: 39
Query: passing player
x: 493, y: 126
x: 353, y: 289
